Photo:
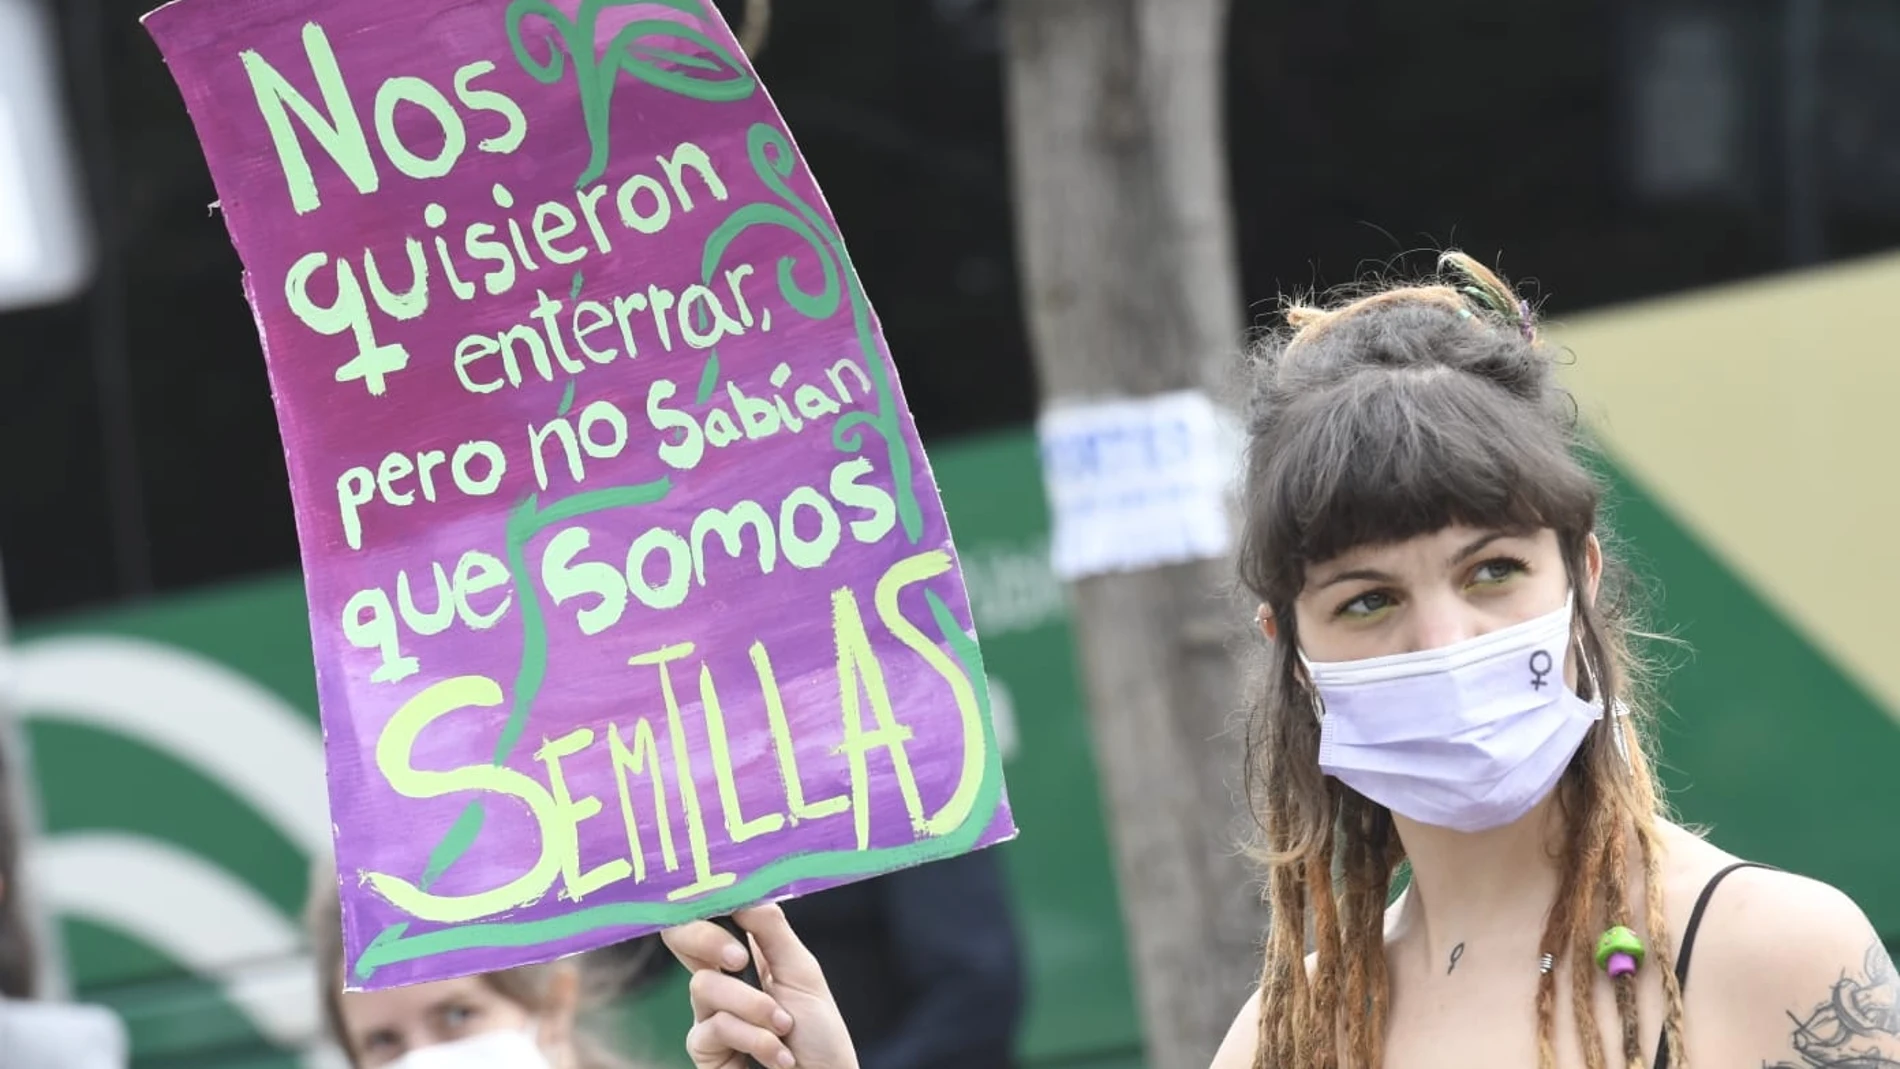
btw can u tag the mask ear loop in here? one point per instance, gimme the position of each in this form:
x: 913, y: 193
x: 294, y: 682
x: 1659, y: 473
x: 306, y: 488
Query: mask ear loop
x: 1618, y: 710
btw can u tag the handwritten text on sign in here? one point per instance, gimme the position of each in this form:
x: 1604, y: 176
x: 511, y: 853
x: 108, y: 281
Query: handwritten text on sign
x: 632, y: 597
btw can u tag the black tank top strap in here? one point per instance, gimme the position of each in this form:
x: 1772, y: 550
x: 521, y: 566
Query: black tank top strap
x: 1688, y: 943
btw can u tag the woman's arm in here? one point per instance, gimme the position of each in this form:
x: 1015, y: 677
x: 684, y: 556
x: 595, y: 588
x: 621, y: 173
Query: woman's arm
x: 1788, y: 973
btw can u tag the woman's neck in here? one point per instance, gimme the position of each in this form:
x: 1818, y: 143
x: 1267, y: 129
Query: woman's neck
x: 1467, y: 884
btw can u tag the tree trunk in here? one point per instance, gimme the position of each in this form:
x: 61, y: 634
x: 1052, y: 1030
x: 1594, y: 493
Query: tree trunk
x: 1125, y: 232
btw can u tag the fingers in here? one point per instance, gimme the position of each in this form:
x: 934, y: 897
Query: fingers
x: 713, y: 1041
x: 714, y: 993
x: 704, y: 945
x: 791, y: 963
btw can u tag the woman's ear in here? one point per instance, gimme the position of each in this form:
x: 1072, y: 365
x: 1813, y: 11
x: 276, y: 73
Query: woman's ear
x: 1592, y: 566
x: 1269, y: 627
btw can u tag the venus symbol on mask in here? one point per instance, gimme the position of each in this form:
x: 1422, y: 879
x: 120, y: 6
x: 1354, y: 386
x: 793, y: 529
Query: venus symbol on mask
x: 1540, y: 667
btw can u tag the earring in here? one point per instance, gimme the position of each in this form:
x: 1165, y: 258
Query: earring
x: 1619, y: 711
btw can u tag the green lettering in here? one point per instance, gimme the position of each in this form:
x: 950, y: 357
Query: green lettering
x: 430, y: 623
x: 470, y: 349
x: 369, y: 624
x: 565, y: 580
x: 482, y: 247
x: 340, y: 133
x: 800, y: 553
x: 708, y: 303
x: 601, y: 318
x: 814, y: 403
x: 373, y: 361
x: 685, y: 453
x: 849, y: 492
x: 545, y: 309
x: 630, y: 214
x: 729, y: 525
x: 412, y: 302
x: 671, y: 590
x: 685, y: 155
x: 476, y: 573
x: 489, y: 100
x: 410, y: 90
x: 545, y: 234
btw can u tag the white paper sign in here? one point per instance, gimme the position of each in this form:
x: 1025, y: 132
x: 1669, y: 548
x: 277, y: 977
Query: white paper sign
x: 1137, y: 483
x: 45, y: 248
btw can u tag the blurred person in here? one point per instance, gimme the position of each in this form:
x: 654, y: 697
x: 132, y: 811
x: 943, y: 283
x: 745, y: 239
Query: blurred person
x: 1448, y: 683
x: 18, y: 964
x: 527, y: 1017
x: 923, y: 962
x: 38, y: 1034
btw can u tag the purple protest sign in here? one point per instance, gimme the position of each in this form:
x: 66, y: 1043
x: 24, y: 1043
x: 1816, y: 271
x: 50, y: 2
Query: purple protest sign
x: 632, y: 597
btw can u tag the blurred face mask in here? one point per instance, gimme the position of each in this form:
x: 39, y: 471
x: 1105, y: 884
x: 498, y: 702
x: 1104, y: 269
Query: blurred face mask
x: 1468, y: 736
x: 509, y: 1049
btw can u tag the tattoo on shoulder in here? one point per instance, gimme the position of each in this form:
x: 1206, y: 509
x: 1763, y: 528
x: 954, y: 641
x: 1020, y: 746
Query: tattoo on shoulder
x: 1858, y: 1027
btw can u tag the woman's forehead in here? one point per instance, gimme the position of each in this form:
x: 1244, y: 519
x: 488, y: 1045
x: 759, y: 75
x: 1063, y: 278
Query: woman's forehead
x: 1446, y: 547
x: 389, y: 1004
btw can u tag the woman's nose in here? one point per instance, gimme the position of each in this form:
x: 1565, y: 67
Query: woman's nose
x: 1438, y: 621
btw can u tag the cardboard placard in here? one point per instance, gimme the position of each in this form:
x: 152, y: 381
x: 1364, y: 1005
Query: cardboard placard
x: 631, y: 594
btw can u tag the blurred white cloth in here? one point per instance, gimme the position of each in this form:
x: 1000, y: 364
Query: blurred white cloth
x: 61, y: 1035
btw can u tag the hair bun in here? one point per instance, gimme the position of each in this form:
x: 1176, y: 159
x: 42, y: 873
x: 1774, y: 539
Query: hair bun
x: 1464, y: 319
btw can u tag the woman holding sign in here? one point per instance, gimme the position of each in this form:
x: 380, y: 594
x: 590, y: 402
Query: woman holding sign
x: 1448, y: 682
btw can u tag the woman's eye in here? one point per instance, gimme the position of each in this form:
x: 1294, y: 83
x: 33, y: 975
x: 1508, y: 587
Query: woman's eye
x: 1366, y: 604
x: 1497, y: 571
x: 457, y: 1017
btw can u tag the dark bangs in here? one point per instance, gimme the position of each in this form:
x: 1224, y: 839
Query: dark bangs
x: 1390, y: 453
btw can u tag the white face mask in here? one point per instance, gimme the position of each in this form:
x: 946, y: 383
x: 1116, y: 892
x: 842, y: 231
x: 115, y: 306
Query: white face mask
x: 509, y: 1049
x: 1468, y: 736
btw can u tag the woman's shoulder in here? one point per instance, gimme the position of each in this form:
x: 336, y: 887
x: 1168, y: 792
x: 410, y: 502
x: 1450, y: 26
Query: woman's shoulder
x: 1784, y: 969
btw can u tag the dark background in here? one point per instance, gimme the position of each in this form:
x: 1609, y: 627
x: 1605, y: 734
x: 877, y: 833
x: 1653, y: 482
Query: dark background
x: 1602, y: 151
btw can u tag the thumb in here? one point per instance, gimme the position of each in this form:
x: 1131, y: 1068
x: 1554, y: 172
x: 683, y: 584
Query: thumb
x: 785, y: 955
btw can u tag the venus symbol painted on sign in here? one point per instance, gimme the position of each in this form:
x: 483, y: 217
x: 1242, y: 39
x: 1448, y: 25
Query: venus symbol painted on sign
x: 632, y: 597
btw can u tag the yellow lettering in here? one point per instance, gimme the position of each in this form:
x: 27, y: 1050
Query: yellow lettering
x: 645, y: 752
x: 704, y: 879
x: 738, y: 828
x: 787, y: 753
x: 909, y: 571
x: 858, y: 670
x: 579, y: 884
x: 393, y: 749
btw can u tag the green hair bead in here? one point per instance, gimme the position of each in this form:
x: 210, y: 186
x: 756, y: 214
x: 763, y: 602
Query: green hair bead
x: 1619, y: 952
